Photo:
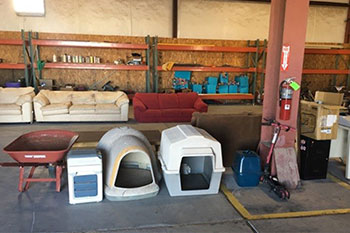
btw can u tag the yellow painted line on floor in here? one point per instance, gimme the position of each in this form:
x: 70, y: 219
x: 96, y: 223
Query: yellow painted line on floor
x: 299, y: 214
x: 85, y: 144
x: 234, y: 201
x: 245, y: 213
x: 338, y: 181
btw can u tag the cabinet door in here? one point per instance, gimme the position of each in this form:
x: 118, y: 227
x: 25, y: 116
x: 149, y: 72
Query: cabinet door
x: 314, y: 158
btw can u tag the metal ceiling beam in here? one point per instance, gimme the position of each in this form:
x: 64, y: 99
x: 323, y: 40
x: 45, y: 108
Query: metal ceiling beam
x: 175, y: 16
x: 347, y: 28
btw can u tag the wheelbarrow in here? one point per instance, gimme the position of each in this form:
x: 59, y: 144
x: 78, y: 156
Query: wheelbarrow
x: 40, y: 148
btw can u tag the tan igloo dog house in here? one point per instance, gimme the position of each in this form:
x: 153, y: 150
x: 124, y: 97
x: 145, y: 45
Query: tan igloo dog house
x: 191, y: 161
x: 130, y: 166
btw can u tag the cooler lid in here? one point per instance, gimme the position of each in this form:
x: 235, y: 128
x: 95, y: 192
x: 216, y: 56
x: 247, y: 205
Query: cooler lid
x: 84, y: 157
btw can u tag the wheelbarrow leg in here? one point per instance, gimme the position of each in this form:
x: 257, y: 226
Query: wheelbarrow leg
x: 30, y: 176
x: 20, y: 182
x: 58, y: 177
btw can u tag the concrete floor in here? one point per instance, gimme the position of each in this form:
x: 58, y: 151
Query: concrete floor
x: 41, y: 209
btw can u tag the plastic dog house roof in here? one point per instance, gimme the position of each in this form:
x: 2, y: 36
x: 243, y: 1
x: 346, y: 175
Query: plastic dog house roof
x: 117, y: 144
x: 187, y: 140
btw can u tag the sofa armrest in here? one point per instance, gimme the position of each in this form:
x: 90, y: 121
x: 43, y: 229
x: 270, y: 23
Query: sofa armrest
x: 26, y: 98
x: 27, y: 111
x: 123, y: 99
x: 200, y: 105
x: 138, y: 105
x: 41, y: 99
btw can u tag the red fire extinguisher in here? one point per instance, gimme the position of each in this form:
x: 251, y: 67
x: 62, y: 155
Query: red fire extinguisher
x: 286, y: 94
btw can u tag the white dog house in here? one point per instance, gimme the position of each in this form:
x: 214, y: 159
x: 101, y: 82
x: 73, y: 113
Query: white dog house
x: 130, y: 166
x: 191, y: 161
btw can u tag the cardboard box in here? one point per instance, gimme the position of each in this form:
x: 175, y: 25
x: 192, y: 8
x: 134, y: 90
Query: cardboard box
x: 46, y: 83
x: 319, y: 119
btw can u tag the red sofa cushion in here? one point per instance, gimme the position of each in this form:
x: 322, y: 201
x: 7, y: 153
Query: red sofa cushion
x: 168, y: 101
x: 186, y: 113
x: 150, y: 115
x: 171, y: 115
x: 150, y: 100
x: 186, y: 100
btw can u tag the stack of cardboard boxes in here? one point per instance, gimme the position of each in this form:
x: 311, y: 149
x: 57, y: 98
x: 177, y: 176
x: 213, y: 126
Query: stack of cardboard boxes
x: 319, y: 119
x: 319, y: 125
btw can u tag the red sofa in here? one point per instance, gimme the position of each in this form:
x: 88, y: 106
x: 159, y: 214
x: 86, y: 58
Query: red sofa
x: 154, y: 107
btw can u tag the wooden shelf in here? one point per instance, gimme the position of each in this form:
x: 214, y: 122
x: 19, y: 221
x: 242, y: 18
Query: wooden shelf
x: 12, y: 66
x: 226, y: 96
x: 315, y: 71
x: 87, y: 44
x: 200, y: 48
x: 11, y: 42
x: 94, y: 66
x: 320, y: 71
x: 209, y: 69
x: 328, y: 51
x: 244, y: 49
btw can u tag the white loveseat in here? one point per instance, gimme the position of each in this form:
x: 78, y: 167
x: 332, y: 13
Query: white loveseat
x: 16, y: 105
x: 81, y: 106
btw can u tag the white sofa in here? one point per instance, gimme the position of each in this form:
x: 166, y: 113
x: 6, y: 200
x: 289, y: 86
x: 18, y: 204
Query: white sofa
x: 81, y: 106
x: 16, y: 105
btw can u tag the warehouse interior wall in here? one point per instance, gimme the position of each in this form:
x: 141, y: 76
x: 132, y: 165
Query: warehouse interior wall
x: 209, y: 19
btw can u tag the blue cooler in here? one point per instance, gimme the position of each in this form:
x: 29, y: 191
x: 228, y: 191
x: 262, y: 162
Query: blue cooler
x: 246, y: 168
x: 243, y: 90
x: 180, y: 83
x: 232, y: 88
x: 243, y: 80
x: 223, y: 78
x: 212, y: 80
x: 183, y: 74
x: 197, y: 88
x: 210, y: 88
x: 223, y: 89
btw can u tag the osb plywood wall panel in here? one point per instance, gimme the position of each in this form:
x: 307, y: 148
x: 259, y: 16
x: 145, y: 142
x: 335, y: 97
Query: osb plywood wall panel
x: 323, y: 82
x: 134, y: 80
x: 10, y: 54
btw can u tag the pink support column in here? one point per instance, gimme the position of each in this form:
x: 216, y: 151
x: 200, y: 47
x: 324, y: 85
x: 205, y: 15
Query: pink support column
x: 288, y: 23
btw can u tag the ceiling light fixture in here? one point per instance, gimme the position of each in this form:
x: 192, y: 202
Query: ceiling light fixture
x: 29, y: 7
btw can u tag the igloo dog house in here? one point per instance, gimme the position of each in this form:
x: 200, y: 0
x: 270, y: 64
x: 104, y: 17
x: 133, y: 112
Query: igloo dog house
x: 191, y: 161
x: 130, y: 166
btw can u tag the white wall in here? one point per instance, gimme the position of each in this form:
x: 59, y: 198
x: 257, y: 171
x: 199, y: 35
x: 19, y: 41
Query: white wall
x: 209, y: 19
x: 107, y: 17
x: 222, y: 19
x: 326, y: 24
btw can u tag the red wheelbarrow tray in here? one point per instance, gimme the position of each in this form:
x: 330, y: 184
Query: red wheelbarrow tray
x: 45, y: 146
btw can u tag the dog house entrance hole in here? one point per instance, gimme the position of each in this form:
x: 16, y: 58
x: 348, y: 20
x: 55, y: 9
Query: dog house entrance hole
x: 134, y: 171
x: 196, y: 172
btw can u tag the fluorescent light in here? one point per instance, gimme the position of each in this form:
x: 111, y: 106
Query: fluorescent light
x: 29, y: 7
